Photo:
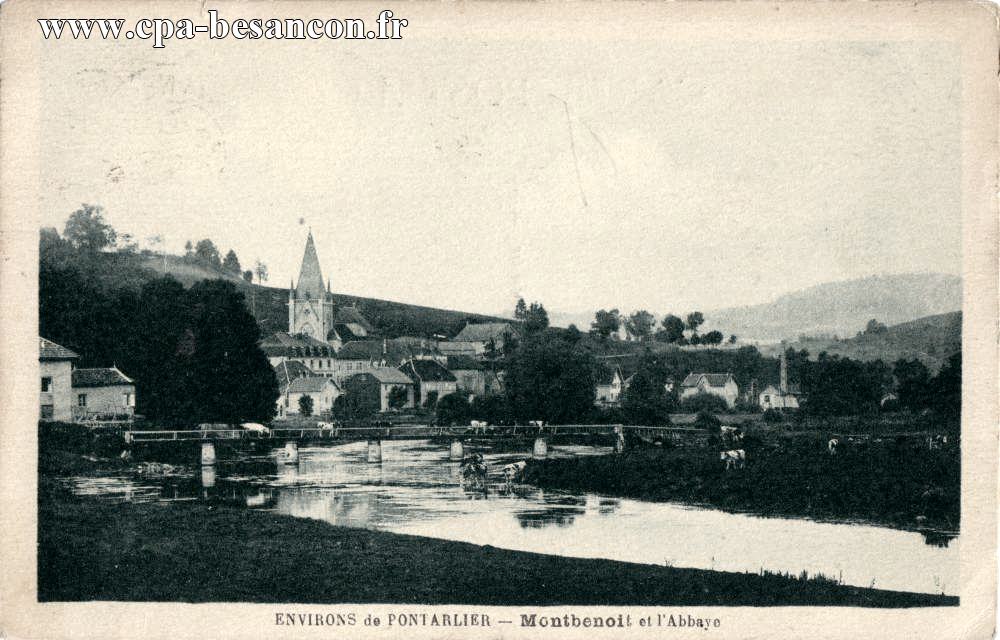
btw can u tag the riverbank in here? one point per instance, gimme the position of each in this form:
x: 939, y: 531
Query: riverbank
x: 204, y: 552
x: 895, y: 486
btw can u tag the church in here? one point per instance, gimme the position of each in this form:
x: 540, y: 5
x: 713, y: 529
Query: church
x: 317, y: 327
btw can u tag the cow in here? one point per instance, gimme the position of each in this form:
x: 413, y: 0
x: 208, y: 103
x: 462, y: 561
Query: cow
x: 734, y: 458
x: 832, y: 445
x: 731, y: 435
x: 536, y: 423
x: 514, y: 470
x: 256, y: 428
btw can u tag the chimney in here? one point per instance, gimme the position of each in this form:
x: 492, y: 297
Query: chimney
x: 783, y: 384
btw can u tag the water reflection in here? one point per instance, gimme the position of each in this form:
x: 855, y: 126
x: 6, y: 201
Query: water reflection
x: 415, y: 489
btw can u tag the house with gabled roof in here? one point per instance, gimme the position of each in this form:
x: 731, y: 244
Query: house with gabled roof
x: 485, y: 336
x: 323, y: 391
x: 609, y: 386
x: 55, y: 363
x: 377, y: 385
x: 430, y: 379
x: 102, y: 394
x: 717, y: 384
x: 283, y: 347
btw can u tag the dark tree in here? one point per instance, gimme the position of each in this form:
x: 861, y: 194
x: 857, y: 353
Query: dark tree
x: 231, y: 263
x: 712, y: 337
x: 237, y: 382
x: 732, y: 339
x: 874, y: 327
x: 646, y: 400
x: 605, y: 323
x: 306, y: 405
x: 452, y: 409
x: 672, y: 331
x: 520, y: 310
x: 206, y: 253
x: 248, y: 275
x: 549, y: 378
x: 536, y: 318
x: 86, y: 229
x: 946, y: 388
x: 397, y: 397
x: 695, y: 320
x: 640, y: 325
x: 912, y: 384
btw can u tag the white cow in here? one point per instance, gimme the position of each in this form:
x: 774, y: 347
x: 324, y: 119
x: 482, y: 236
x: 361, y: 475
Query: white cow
x: 536, y: 423
x: 832, y: 445
x: 734, y: 458
x: 254, y: 427
x: 514, y: 470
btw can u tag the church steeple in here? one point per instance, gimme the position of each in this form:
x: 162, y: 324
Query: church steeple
x: 310, y: 284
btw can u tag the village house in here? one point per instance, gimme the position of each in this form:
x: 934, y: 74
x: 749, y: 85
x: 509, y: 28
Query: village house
x: 782, y: 396
x: 610, y: 385
x: 430, y: 379
x: 487, y: 336
x: 452, y: 348
x: 323, y: 391
x: 289, y: 370
x: 377, y: 385
x: 470, y: 375
x: 102, y: 394
x: 281, y: 347
x: 55, y: 363
x: 717, y: 384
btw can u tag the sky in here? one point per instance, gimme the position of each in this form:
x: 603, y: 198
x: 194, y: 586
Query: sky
x: 463, y: 169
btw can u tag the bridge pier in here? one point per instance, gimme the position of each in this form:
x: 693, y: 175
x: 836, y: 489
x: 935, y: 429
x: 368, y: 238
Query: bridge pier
x: 207, y: 453
x: 456, y: 451
x: 540, y: 450
x: 208, y: 477
x: 290, y: 455
x: 619, y: 440
x: 374, y: 451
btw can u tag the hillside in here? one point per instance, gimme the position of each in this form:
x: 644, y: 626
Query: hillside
x: 113, y: 271
x: 270, y: 305
x: 842, y: 308
x: 931, y: 340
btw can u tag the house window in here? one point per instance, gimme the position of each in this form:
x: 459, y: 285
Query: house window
x: 81, y: 400
x: 128, y: 399
x: 47, y: 411
x: 767, y: 399
x: 46, y: 384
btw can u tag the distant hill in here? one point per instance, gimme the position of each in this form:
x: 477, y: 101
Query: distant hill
x: 932, y: 340
x: 842, y: 308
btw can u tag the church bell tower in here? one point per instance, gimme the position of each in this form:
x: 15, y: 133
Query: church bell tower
x: 310, y: 303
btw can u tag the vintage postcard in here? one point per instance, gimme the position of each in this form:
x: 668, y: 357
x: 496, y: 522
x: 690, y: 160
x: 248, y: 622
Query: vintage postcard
x: 498, y: 319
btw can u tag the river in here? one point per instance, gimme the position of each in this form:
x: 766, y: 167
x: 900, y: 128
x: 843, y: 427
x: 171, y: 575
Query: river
x: 416, y: 490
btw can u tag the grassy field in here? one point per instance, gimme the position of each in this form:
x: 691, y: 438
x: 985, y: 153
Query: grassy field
x: 91, y: 550
x: 890, y: 484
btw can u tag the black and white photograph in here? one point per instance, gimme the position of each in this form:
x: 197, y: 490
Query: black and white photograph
x: 499, y: 320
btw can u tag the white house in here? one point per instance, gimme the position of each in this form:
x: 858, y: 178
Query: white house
x: 717, y: 384
x: 323, y: 391
x: 610, y: 386
x: 55, y: 363
x: 102, y: 393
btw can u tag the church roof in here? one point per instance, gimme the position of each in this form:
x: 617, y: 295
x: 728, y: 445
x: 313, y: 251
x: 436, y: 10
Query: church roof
x: 310, y: 285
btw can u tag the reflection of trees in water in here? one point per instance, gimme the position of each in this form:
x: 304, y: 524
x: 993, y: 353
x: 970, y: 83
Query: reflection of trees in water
x: 537, y: 519
x: 608, y: 506
x: 938, y: 538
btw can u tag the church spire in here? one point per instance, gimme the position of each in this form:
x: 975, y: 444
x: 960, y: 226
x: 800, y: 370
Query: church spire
x: 310, y: 284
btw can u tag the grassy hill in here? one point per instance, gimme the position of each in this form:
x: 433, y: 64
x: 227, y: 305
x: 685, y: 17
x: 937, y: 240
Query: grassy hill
x: 269, y: 304
x: 931, y: 340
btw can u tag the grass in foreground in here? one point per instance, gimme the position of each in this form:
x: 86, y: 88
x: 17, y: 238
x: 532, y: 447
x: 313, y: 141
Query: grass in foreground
x: 90, y: 550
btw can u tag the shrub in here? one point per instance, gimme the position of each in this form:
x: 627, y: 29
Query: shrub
x: 706, y: 420
x: 453, y: 409
x: 704, y: 402
x: 772, y: 416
